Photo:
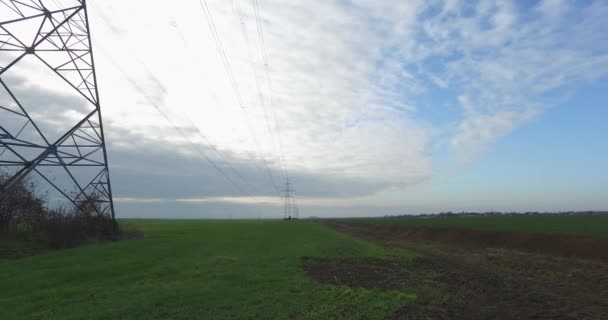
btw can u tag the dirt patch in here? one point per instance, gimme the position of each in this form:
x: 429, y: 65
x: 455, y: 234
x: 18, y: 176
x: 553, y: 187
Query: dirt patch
x: 461, y: 281
x: 461, y: 291
x: 578, y: 246
x: 369, y: 273
x: 448, y: 290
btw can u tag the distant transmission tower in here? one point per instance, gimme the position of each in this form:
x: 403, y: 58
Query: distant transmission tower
x: 291, y: 210
x: 69, y: 154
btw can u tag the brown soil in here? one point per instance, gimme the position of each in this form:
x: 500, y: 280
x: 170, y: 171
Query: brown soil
x: 369, y: 273
x: 578, y: 246
x: 472, y: 280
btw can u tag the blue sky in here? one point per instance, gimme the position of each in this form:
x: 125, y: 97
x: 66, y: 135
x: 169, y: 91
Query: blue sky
x: 369, y: 106
x: 555, y: 162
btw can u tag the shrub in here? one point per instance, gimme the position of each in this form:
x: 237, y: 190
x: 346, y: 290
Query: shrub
x: 25, y: 221
x: 20, y: 204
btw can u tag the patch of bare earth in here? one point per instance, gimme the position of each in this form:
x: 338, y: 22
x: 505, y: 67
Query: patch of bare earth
x: 456, y: 280
x: 369, y: 273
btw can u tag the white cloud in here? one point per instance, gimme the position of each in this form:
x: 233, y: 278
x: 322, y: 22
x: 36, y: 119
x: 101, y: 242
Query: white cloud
x: 504, y: 60
x: 348, y: 80
x: 479, y: 130
x: 332, y: 85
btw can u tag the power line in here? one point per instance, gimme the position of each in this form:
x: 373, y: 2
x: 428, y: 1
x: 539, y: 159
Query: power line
x: 114, y: 31
x: 222, y: 52
x: 220, y: 48
x: 223, y: 55
x: 103, y: 16
x: 269, y: 80
x: 235, y: 171
x: 255, y: 76
x: 138, y: 88
x: 109, y: 23
x: 293, y: 206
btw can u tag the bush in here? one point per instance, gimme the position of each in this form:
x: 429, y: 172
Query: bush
x: 25, y: 221
x: 20, y: 205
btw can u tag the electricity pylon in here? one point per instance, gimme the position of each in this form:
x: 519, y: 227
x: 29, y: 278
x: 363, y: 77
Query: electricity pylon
x: 291, y: 210
x: 55, y: 36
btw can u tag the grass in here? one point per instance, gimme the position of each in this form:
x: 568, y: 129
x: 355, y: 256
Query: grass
x: 195, y: 270
x: 587, y: 225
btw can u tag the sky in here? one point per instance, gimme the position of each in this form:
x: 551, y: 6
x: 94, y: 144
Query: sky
x: 370, y: 107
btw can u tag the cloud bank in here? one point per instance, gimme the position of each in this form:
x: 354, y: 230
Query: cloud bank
x: 357, y: 98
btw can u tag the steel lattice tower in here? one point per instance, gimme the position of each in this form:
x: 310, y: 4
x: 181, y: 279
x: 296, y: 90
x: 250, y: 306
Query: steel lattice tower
x: 54, y: 35
x: 291, y: 210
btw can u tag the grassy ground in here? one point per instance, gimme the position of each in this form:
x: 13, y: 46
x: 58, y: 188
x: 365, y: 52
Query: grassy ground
x: 589, y: 225
x: 196, y: 270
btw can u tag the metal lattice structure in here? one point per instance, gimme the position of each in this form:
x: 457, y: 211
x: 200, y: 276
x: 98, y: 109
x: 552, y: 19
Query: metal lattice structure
x: 290, y: 210
x: 56, y: 36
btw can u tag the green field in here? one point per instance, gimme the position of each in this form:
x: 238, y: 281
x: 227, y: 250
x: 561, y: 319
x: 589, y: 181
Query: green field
x: 589, y: 225
x: 195, y: 270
